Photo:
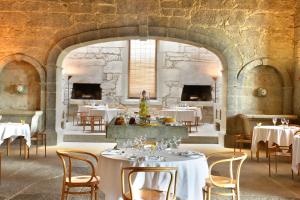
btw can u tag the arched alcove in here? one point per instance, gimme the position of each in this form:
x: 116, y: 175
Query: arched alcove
x: 22, y: 74
x: 268, y: 78
x: 267, y: 71
x: 20, y: 69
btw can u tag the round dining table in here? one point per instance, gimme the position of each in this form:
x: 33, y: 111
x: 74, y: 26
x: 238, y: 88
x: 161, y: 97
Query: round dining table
x: 192, y: 172
x: 281, y: 135
x: 106, y: 113
x: 13, y: 130
x: 182, y: 114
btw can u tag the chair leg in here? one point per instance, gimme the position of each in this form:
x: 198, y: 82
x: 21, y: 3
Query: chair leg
x: 96, y: 193
x: 37, y: 146
x: 92, y: 192
x: 63, y: 192
x: 45, y: 143
x: 269, y: 165
x: 8, y: 146
x: 21, y: 139
x: 240, y: 145
x: 204, y: 194
x: 237, y: 191
x: 267, y: 149
x: 251, y: 154
x: 275, y: 163
x: 208, y: 193
x: 234, y: 147
x: 233, y: 194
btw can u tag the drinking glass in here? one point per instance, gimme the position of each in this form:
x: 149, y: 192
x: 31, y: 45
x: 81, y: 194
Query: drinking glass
x: 274, y: 121
x: 282, y: 121
x: 287, y: 122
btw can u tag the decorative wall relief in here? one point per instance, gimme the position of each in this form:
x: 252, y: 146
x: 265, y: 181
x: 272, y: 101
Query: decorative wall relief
x: 21, y: 89
x: 261, y: 92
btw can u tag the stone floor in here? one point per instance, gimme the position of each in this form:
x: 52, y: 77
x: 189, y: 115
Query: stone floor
x: 40, y: 178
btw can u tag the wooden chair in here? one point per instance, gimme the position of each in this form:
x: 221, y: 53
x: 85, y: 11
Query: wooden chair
x: 188, y: 124
x: 196, y: 123
x: 70, y: 181
x: 79, y: 117
x: 277, y: 151
x: 231, y: 183
x: 240, y: 140
x: 37, y: 136
x: 92, y: 121
x: 147, y: 193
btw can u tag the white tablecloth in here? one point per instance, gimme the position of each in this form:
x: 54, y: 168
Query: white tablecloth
x: 190, y: 179
x: 280, y: 135
x: 14, y: 130
x: 107, y: 113
x: 182, y: 114
x: 296, y: 153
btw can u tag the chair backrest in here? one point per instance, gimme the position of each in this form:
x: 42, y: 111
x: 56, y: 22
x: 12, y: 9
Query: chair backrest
x: 231, y: 159
x: 171, y: 171
x: 36, y: 122
x: 67, y: 158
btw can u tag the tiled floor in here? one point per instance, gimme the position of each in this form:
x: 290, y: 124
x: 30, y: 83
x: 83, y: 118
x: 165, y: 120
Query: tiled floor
x: 40, y: 178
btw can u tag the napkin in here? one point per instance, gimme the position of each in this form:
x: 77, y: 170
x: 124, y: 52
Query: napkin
x: 112, y: 152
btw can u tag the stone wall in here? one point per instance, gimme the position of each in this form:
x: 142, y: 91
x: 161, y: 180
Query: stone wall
x: 297, y: 61
x: 260, y: 32
x: 101, y: 63
x: 107, y: 64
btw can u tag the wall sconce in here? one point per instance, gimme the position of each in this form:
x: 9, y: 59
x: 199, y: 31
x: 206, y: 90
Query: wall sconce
x: 21, y: 89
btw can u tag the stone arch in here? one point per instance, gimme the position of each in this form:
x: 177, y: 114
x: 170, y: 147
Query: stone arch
x: 38, y: 67
x: 212, y: 40
x: 287, y: 82
x: 287, y: 87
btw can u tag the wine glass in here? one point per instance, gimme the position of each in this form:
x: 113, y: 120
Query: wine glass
x: 282, y: 121
x: 287, y: 122
x: 274, y: 121
x: 0, y: 117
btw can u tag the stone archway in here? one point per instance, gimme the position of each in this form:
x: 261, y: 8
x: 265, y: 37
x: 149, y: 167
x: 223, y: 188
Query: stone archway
x: 37, y: 66
x: 211, y: 40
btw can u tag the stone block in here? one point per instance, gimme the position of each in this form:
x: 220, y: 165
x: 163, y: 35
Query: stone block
x: 158, y: 21
x: 170, y: 4
x: 104, y: 1
x: 51, y: 100
x: 58, y: 20
x: 167, y: 11
x: 105, y: 9
x: 137, y: 6
x: 187, y: 3
x: 79, y: 7
x: 113, y: 67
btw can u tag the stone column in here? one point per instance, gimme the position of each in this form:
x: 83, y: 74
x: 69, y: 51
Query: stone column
x: 51, y: 105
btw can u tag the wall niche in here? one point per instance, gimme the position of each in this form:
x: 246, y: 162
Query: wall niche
x: 20, y: 73
x: 265, y: 78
